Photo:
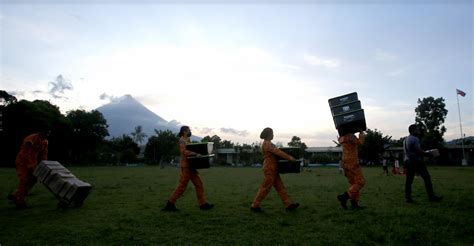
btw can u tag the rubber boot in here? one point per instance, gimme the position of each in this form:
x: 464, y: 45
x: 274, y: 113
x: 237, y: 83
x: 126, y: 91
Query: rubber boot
x: 343, y: 199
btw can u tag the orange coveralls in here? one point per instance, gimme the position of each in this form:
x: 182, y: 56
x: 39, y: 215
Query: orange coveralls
x: 350, y: 160
x: 186, y: 175
x: 32, y: 151
x: 271, y: 176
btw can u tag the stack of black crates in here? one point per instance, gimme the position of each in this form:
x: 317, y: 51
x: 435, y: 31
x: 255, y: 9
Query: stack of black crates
x: 347, y: 114
x: 285, y: 166
x: 62, y: 183
x: 205, y: 158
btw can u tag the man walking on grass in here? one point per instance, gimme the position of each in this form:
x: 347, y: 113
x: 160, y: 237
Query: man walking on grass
x: 415, y: 164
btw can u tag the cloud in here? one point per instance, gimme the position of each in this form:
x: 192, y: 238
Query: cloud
x: 105, y: 96
x: 174, y: 124
x: 60, y: 85
x: 385, y: 56
x: 321, y: 62
x: 17, y: 93
x: 234, y: 131
x: 205, y: 130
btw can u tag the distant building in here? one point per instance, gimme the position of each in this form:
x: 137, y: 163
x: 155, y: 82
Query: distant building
x: 324, y: 154
x: 227, y: 155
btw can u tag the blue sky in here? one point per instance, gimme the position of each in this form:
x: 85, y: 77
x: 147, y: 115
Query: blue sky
x: 243, y: 66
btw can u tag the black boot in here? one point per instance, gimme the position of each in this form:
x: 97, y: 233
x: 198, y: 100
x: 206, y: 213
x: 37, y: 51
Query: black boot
x: 170, y: 207
x: 435, y: 198
x: 292, y: 207
x: 206, y: 206
x: 343, y: 199
x: 355, y: 205
x: 256, y: 210
x: 11, y: 197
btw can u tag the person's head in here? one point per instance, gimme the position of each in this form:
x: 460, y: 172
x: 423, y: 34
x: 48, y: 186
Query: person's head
x: 184, y: 131
x: 267, y: 134
x: 413, y: 129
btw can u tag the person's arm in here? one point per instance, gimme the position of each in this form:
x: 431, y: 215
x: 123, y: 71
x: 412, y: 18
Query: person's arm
x: 184, y: 151
x: 418, y: 148
x: 361, y: 138
x: 273, y: 149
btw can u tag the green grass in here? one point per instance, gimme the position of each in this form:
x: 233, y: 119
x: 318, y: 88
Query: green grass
x: 125, y: 204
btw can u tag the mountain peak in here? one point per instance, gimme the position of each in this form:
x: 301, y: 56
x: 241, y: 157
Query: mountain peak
x: 125, y: 99
x: 125, y: 113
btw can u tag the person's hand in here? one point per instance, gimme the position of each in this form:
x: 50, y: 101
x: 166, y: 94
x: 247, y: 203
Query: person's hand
x: 292, y: 159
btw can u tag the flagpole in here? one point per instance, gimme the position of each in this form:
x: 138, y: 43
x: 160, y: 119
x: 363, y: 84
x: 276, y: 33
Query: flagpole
x: 464, y: 162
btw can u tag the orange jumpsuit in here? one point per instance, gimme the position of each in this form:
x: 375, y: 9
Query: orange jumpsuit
x: 33, y: 150
x: 271, y: 176
x: 350, y: 159
x: 186, y: 175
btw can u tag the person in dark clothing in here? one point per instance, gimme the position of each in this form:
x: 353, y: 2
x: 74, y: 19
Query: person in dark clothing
x: 415, y: 164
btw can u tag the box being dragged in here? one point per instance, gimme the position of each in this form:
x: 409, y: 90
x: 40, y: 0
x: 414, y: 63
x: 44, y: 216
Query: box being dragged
x: 200, y: 162
x: 61, y: 182
x: 285, y: 166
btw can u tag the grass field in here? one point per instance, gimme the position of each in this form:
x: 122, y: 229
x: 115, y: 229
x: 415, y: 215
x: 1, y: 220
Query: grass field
x: 125, y: 204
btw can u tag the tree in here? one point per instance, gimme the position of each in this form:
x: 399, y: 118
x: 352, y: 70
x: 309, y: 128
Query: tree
x: 296, y: 142
x: 6, y: 99
x: 430, y: 115
x: 215, y: 139
x: 125, y: 149
x: 162, y: 147
x: 22, y: 118
x: 138, y: 135
x: 227, y: 144
x: 374, y: 146
x: 249, y: 153
x: 89, y: 130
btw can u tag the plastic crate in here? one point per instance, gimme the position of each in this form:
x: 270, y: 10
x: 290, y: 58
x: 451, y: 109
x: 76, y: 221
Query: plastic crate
x: 62, y: 183
x: 346, y: 108
x: 293, y: 151
x: 200, y: 162
x: 344, y: 99
x: 351, y: 122
x: 285, y: 166
x: 201, y: 148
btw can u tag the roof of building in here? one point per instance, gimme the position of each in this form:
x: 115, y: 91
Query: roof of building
x: 226, y: 151
x: 323, y: 149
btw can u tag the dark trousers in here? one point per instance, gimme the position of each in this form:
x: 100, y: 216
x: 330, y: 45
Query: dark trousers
x: 415, y: 166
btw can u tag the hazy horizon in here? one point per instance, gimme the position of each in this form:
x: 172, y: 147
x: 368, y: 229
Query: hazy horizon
x: 233, y: 69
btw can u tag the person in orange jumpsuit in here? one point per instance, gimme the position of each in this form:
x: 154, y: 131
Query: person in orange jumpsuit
x: 352, y: 169
x: 187, y: 174
x: 271, y: 176
x: 34, y: 149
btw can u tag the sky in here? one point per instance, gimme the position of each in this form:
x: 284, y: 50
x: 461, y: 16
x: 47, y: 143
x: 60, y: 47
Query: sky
x: 233, y: 68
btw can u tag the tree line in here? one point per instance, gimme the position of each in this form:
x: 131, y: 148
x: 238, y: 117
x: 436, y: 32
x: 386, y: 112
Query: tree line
x: 80, y: 137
